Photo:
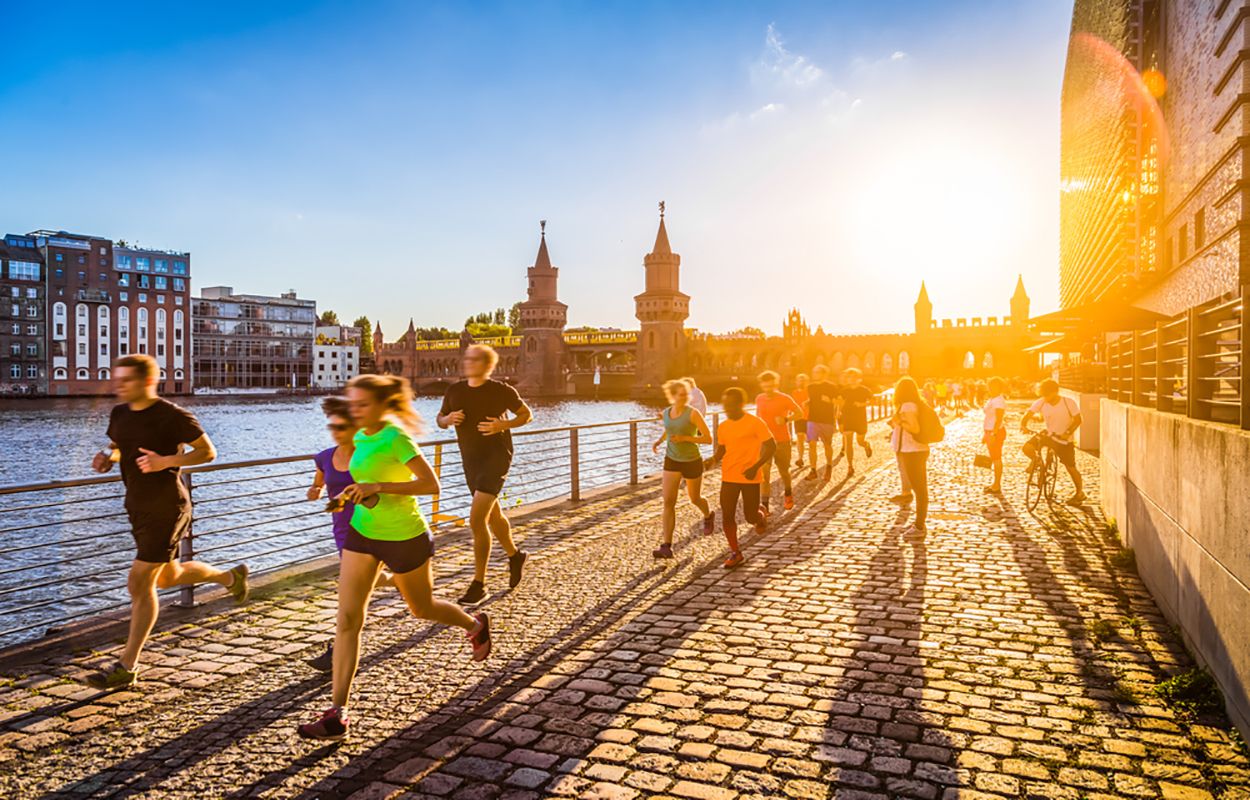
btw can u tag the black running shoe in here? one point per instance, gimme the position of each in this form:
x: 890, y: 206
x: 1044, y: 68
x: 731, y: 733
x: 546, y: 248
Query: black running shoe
x: 115, y: 677
x: 516, y: 564
x: 476, y: 593
x: 325, y: 661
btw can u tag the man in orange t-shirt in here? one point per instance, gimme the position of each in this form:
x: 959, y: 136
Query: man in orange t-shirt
x: 778, y: 410
x: 743, y: 446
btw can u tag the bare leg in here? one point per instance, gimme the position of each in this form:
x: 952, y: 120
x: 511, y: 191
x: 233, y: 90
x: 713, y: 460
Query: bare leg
x: 670, y: 481
x: 848, y: 447
x: 694, y: 490
x: 417, y: 589
x: 501, y: 529
x: 482, y: 521
x: 357, y: 574
x: 144, y: 606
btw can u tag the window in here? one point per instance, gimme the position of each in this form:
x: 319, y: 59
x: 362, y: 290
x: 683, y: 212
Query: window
x: 32, y: 293
x: 160, y: 299
x: 160, y: 348
x: 82, y: 348
x: 82, y: 275
x: 83, y: 374
x: 180, y: 285
x: 32, y: 371
x: 15, y: 349
x: 177, y: 299
x: 15, y: 291
x: 15, y: 371
x: 104, y: 277
x: 104, y: 349
x: 58, y: 320
x: 32, y: 349
x: 160, y: 265
x: 32, y: 330
x: 1200, y: 228
x: 143, y: 297
x: 178, y: 324
x: 178, y: 374
x: 123, y: 279
x: 123, y: 296
x: 15, y: 310
x: 123, y: 315
x: 32, y: 311
x: 177, y: 351
x: 180, y: 268
x: 102, y: 250
x: 60, y: 273
x: 16, y: 329
x: 143, y: 281
x: 123, y: 262
x: 1182, y: 243
x: 60, y: 257
x: 143, y: 316
x: 60, y: 373
x: 82, y: 259
x: 123, y: 348
x: 162, y: 282
x: 82, y: 329
x: 23, y: 271
x: 141, y: 264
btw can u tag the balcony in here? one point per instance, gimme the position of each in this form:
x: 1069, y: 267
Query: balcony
x: 93, y: 296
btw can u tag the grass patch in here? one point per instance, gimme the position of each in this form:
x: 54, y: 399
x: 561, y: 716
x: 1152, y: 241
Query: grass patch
x: 1191, y: 692
x: 1124, y: 694
x: 1101, y: 631
x: 1134, y: 624
x: 1124, y: 558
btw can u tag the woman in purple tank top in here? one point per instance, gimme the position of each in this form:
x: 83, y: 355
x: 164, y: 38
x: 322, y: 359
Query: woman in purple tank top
x: 333, y: 477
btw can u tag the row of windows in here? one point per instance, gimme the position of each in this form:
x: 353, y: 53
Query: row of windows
x: 15, y: 349
x: 23, y: 271
x: 31, y: 292
x: 15, y: 371
x: 32, y: 329
x: 102, y: 374
x: 144, y: 264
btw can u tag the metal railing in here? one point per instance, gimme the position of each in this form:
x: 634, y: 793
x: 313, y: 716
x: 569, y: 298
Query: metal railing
x: 1191, y: 364
x: 65, y: 545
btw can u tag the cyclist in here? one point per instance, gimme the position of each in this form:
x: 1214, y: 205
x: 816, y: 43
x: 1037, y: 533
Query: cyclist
x: 1062, y: 418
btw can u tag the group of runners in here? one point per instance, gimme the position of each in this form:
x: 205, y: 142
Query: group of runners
x: 375, y: 471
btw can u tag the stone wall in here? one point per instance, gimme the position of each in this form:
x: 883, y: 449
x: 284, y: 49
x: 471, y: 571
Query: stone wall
x: 1176, y: 487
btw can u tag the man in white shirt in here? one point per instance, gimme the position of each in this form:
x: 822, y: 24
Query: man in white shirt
x: 1062, y: 418
x: 698, y: 400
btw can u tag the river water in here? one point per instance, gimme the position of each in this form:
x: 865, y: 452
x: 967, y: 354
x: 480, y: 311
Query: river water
x: 64, y: 551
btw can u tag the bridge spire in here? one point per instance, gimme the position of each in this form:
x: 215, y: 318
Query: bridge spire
x: 662, y: 247
x: 542, y: 260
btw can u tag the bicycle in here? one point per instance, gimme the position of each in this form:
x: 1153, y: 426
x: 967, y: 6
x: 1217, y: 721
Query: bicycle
x: 1043, y: 476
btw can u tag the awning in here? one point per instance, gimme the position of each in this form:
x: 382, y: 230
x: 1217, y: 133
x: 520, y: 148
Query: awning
x: 1059, y: 344
x: 1100, y: 316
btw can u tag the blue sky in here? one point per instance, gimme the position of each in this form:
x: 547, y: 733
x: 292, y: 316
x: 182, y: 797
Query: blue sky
x: 394, y: 158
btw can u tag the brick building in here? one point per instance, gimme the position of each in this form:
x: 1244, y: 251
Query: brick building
x: 23, y: 318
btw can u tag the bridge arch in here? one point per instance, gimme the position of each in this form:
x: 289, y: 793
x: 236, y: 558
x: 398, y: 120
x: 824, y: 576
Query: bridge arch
x: 904, y: 362
x: 887, y: 364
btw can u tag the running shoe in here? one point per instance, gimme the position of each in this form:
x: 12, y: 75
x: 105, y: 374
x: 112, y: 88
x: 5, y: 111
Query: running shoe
x: 788, y: 501
x: 992, y: 490
x: 239, y: 589
x: 116, y: 677
x: 480, y: 641
x: 516, y: 563
x: 1077, y: 499
x: 325, y: 661
x: 663, y: 551
x: 735, y: 560
x: 914, y: 531
x: 762, y: 525
x: 813, y: 475
x: 903, y: 499
x: 829, y: 472
x: 474, y: 594
x: 867, y: 448
x: 709, y: 524
x: 850, y: 471
x: 332, y: 727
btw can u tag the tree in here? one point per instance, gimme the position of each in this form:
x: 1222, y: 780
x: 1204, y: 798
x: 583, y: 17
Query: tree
x: 514, y: 317
x: 433, y: 334
x: 366, y: 335
x: 482, y: 330
x: 328, y: 317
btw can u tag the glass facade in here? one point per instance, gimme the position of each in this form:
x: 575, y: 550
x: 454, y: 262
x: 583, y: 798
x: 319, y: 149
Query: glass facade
x: 252, y: 342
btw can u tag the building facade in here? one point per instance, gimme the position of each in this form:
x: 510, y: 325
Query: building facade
x: 543, y: 317
x: 23, y: 318
x: 336, y: 356
x: 152, y: 310
x: 246, y: 341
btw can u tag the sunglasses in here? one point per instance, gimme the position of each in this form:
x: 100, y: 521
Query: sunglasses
x: 338, y: 426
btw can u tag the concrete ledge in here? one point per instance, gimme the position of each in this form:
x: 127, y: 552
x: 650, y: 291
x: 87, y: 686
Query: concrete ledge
x: 1175, y: 488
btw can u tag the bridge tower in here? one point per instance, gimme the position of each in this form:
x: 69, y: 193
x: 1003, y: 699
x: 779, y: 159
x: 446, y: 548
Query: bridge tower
x: 1019, y: 304
x: 924, y: 311
x: 662, y: 309
x: 543, y: 317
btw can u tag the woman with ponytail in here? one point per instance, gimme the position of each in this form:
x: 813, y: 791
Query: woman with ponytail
x: 387, y: 528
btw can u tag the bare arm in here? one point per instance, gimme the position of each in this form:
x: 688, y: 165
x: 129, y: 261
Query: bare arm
x: 702, y: 434
x: 716, y: 456
x: 319, y: 481
x: 1076, y: 423
x: 1026, y: 419
x: 424, y: 482
x: 768, y: 448
x: 201, y: 451
x: 493, y: 425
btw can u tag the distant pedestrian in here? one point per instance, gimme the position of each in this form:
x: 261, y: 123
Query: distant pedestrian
x: 743, y: 445
x: 331, y: 477
x: 147, y: 435
x: 387, y: 528
x: 698, y: 400
x: 800, y: 425
x: 853, y: 421
x: 912, y: 451
x: 478, y: 407
x: 995, y: 431
x: 779, y: 411
x: 822, y: 419
x: 684, y: 430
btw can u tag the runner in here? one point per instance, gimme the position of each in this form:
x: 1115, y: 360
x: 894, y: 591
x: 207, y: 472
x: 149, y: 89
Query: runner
x: 477, y: 407
x: 386, y: 528
x: 913, y: 454
x: 822, y: 419
x: 800, y: 425
x: 1062, y: 417
x: 698, y: 400
x: 332, y: 477
x: 147, y: 435
x: 685, y: 430
x: 779, y: 411
x: 744, y: 445
x: 855, y: 397
x: 995, y: 432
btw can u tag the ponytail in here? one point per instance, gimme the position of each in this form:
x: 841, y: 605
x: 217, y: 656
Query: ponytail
x: 395, y: 395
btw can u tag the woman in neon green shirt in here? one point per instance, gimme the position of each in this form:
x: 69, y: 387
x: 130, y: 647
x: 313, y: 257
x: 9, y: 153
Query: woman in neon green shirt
x: 387, y: 528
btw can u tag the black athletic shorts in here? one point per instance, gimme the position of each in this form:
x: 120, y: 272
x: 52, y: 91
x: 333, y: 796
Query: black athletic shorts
x: 157, y: 532
x: 399, y: 557
x: 782, y: 457
x: 486, y: 473
x: 1064, y: 451
x: 688, y: 469
x: 856, y: 425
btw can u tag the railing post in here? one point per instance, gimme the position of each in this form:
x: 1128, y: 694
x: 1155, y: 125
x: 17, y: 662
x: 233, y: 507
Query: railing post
x: 1193, y: 382
x: 1135, y: 367
x: 633, y: 454
x: 715, y: 428
x: 1241, y: 359
x: 1162, y: 394
x: 186, y: 550
x: 575, y: 478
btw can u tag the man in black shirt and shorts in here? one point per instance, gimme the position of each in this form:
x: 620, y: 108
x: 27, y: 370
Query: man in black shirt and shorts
x: 853, y: 418
x: 477, y: 407
x: 822, y: 419
x: 146, y: 437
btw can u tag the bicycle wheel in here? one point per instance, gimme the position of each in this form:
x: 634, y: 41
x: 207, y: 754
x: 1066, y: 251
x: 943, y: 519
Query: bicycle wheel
x: 1035, y: 485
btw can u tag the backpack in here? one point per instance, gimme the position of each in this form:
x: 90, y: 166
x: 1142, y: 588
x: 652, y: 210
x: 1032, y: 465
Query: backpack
x: 931, y: 430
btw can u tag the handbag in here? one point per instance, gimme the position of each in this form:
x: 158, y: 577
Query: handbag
x: 982, y: 460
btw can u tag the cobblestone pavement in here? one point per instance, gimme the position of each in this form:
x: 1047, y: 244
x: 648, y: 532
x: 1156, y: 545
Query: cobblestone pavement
x: 1004, y: 655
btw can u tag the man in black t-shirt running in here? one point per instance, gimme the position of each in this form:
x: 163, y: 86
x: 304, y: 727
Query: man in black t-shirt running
x: 146, y: 438
x: 853, y: 398
x: 478, y: 407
